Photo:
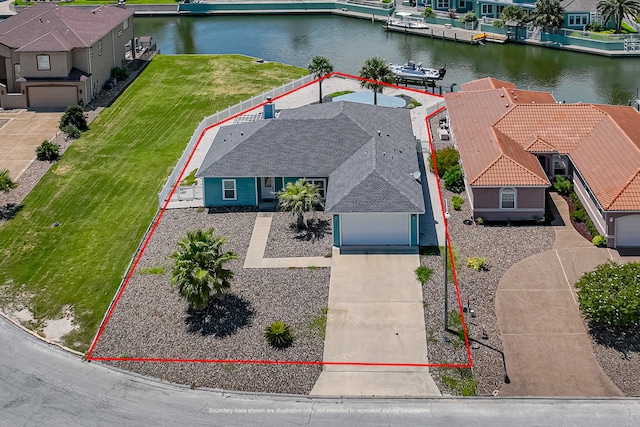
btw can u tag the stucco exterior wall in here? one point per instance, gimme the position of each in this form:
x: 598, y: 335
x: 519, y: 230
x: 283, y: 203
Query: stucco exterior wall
x: 530, y: 203
x: 60, y: 65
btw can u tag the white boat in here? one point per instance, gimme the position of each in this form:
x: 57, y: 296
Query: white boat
x: 404, y: 21
x: 415, y: 72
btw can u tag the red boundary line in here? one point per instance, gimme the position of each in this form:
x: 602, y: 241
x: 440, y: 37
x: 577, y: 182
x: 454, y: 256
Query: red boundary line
x: 280, y: 362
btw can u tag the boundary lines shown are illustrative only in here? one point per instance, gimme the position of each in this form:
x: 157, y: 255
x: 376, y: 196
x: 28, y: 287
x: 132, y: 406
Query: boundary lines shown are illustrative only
x: 162, y: 210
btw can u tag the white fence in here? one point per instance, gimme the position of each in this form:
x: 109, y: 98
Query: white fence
x: 216, y: 118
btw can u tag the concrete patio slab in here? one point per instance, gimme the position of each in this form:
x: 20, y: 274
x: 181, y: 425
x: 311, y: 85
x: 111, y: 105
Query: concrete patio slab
x: 576, y: 261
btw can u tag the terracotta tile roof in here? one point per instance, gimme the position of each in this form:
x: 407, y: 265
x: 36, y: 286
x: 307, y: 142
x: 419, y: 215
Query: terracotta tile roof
x: 47, y: 27
x: 486, y: 84
x: 603, y: 141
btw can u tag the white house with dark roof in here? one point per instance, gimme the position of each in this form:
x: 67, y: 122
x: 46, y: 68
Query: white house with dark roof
x: 55, y: 57
x: 362, y: 157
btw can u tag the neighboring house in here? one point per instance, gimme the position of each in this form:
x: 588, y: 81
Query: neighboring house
x: 513, y: 143
x: 577, y: 13
x: 362, y: 158
x: 54, y: 57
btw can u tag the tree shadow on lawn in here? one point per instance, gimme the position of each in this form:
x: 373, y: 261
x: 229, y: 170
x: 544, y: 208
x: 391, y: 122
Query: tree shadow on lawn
x: 221, y: 318
x: 623, y: 340
x: 316, y: 229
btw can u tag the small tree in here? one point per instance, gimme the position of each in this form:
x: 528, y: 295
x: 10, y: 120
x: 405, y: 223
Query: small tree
x: 375, y: 72
x: 547, y: 14
x: 298, y: 198
x: 320, y: 67
x: 74, y: 116
x: 618, y: 9
x: 454, y: 180
x: 47, y: 151
x: 199, y: 268
x: 6, y: 183
x: 610, y: 294
x: 446, y: 158
x: 512, y: 13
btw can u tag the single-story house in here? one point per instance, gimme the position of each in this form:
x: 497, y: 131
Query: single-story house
x: 362, y: 157
x: 55, y: 57
x: 513, y: 143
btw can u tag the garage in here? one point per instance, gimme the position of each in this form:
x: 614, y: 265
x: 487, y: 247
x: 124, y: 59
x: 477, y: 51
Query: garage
x: 375, y: 229
x: 628, y: 231
x: 52, y: 96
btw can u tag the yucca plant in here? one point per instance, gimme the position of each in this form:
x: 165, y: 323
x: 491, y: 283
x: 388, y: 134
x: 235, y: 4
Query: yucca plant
x: 47, y: 151
x: 279, y: 335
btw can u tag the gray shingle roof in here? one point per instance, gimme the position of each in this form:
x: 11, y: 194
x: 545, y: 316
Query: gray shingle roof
x: 46, y: 27
x: 368, y: 153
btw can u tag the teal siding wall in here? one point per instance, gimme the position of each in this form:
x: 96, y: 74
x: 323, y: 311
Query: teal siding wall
x: 290, y: 179
x: 245, y: 192
x: 279, y: 184
x: 414, y: 230
x: 336, y: 230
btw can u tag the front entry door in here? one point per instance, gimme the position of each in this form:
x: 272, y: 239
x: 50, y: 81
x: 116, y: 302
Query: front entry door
x: 268, y: 188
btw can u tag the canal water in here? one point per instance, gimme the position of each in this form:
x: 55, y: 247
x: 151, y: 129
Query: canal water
x: 347, y: 42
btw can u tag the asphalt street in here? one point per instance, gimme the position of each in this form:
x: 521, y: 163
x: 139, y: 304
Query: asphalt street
x: 43, y: 385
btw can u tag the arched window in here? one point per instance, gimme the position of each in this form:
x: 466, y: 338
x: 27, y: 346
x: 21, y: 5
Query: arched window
x: 508, y: 199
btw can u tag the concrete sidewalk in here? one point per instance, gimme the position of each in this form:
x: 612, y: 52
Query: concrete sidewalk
x: 546, y: 346
x: 375, y: 316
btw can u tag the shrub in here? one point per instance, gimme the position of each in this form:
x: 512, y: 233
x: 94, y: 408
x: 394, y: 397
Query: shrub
x: 578, y: 215
x: 120, y: 73
x: 446, y: 158
x: 454, y: 180
x: 457, y: 202
x: 477, y: 263
x: 72, y: 131
x: 563, y: 185
x: 74, y: 116
x: 429, y: 13
x: 590, y: 227
x: 468, y: 17
x: 599, y: 241
x: 279, y: 335
x: 610, y: 294
x: 479, y: 220
x: 423, y: 274
x: 47, y: 151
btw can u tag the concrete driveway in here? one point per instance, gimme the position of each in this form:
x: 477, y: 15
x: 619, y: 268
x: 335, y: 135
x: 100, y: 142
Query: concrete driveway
x: 21, y: 132
x: 547, y: 348
x: 375, y: 316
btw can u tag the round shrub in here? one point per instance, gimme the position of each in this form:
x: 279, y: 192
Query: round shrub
x: 74, y: 116
x: 563, y: 185
x: 457, y: 202
x: 454, y: 180
x: 72, y: 131
x: 47, y: 151
x: 610, y: 294
x: 279, y: 335
x: 446, y: 158
x: 599, y: 241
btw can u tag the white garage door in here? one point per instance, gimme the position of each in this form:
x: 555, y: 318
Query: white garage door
x: 375, y: 229
x: 52, y: 96
x: 628, y: 231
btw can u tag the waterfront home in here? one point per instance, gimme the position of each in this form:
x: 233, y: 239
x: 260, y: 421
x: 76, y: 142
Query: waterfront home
x: 363, y: 158
x: 55, y: 57
x: 513, y: 143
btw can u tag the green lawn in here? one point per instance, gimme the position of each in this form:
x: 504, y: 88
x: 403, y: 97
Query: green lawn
x: 103, y: 191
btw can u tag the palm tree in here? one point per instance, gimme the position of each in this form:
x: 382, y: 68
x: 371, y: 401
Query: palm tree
x: 6, y: 183
x: 298, y: 198
x: 375, y: 71
x: 320, y: 67
x: 199, y: 268
x: 547, y: 14
x: 618, y: 9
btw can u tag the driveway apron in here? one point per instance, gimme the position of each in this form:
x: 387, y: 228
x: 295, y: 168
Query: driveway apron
x: 375, y: 316
x: 547, y: 348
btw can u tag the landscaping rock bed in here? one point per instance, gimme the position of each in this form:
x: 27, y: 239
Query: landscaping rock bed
x: 618, y: 354
x: 502, y: 246
x: 285, y: 241
x: 152, y: 321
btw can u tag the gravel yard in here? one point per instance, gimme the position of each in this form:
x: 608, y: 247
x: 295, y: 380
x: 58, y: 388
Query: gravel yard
x: 152, y: 321
x: 502, y: 246
x: 284, y: 241
x: 618, y: 354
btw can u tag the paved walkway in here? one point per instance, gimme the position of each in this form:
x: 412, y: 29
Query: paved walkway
x: 547, y: 348
x: 375, y: 316
x: 255, y: 253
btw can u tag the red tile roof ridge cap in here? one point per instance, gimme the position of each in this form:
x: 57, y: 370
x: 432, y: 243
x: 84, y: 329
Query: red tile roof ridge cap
x: 626, y: 185
x: 535, y: 138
